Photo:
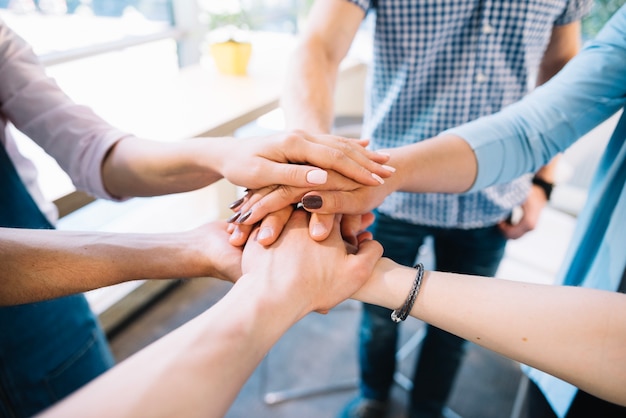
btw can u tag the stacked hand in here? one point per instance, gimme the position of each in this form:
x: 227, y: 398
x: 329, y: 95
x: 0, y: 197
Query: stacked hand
x: 318, y: 275
x: 299, y: 160
x: 284, y: 243
x: 348, y: 168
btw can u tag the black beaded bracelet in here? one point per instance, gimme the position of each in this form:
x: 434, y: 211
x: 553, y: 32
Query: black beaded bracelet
x: 402, y: 312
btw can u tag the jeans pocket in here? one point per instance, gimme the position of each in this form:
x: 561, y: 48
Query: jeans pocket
x: 87, y: 362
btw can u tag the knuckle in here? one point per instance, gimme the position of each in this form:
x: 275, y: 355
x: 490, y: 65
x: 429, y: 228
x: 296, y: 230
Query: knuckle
x: 289, y: 194
x: 337, y: 203
x: 336, y: 154
x: 292, y: 138
x: 344, y: 146
x: 254, y: 170
x: 293, y: 175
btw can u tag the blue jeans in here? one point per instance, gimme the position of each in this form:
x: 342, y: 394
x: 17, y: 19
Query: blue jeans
x: 584, y: 405
x: 48, y: 350
x: 474, y: 251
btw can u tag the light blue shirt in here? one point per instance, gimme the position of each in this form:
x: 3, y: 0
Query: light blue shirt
x: 524, y: 136
x: 441, y: 63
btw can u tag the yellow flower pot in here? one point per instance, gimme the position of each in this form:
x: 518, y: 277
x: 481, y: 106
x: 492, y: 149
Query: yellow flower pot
x: 231, y: 57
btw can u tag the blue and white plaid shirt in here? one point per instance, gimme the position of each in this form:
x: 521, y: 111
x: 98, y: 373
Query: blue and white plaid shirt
x: 440, y: 63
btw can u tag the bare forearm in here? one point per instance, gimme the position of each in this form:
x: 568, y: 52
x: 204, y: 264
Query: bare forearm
x: 564, y: 44
x: 198, y: 369
x: 42, y: 264
x: 308, y: 98
x: 137, y: 167
x: 537, y: 325
x: 444, y: 164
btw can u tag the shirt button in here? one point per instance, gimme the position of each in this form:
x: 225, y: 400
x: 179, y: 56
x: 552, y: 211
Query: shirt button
x: 480, y: 78
x: 488, y: 29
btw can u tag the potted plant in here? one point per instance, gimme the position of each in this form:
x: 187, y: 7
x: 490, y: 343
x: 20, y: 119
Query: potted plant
x: 228, y: 36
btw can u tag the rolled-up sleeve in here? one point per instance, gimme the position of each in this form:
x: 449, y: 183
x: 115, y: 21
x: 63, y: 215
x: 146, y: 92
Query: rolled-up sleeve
x: 72, y: 134
x: 526, y: 135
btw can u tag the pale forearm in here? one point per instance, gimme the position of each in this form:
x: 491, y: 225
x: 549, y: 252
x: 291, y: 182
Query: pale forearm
x: 137, y: 167
x: 308, y: 98
x: 444, y: 164
x: 573, y: 333
x: 42, y: 264
x: 198, y: 369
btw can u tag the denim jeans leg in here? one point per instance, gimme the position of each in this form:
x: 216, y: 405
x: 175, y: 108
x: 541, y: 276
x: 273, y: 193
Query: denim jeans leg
x: 378, y: 333
x: 48, y: 350
x: 475, y: 251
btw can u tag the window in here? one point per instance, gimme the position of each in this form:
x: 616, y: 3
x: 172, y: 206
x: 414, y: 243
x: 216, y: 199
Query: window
x: 86, y: 47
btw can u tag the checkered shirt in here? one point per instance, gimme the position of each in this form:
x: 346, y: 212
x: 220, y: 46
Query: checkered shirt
x: 440, y: 63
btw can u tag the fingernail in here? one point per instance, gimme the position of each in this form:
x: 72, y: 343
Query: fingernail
x: 236, y: 234
x: 233, y: 218
x: 265, y: 232
x: 244, y: 217
x: 318, y: 230
x: 317, y: 176
x: 386, y: 154
x: 378, y: 178
x: 389, y: 168
x: 235, y: 203
x: 312, y: 202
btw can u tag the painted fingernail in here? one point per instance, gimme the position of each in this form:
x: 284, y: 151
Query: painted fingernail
x: 244, y: 217
x: 235, y: 203
x: 378, y: 178
x: 312, y: 202
x: 265, y: 232
x: 317, y: 176
x: 233, y: 218
x: 389, y: 168
x: 318, y: 230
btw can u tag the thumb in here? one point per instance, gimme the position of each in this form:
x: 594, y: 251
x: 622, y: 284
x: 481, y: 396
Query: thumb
x: 367, y: 255
x: 320, y: 226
